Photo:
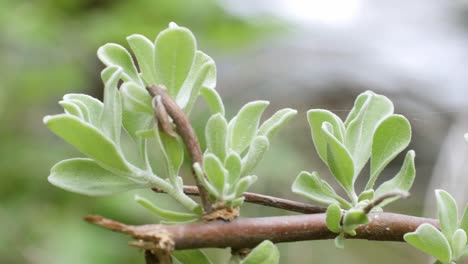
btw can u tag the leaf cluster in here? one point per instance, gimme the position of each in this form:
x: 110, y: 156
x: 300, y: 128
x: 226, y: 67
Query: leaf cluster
x: 371, y: 131
x: 449, y: 244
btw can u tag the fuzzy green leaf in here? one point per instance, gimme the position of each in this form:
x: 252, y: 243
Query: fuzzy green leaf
x: 354, y: 218
x: 244, y: 184
x: 366, y: 115
x: 339, y: 241
x: 257, y: 149
x: 214, y: 101
x: 72, y: 109
x: 111, y: 116
x: 216, y: 135
x: 214, y: 171
x: 202, y: 74
x: 243, y: 127
x: 93, y: 106
x: 143, y: 49
x: 88, y: 140
x: 333, y: 218
x: 86, y: 177
x: 316, y: 118
x: 201, y: 177
x: 458, y: 243
x: 135, y: 121
x: 271, y: 126
x: 191, y: 256
x: 401, y: 182
x: 174, y: 54
x: 173, y: 150
x: 366, y: 195
x: 430, y: 240
x: 338, y: 159
x: 311, y: 186
x: 265, y: 253
x: 464, y: 220
x: 233, y: 165
x: 391, y: 136
x: 447, y: 213
x: 166, y: 214
x: 135, y: 98
x: 113, y: 55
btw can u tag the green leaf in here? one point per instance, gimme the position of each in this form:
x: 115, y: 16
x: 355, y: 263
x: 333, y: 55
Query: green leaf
x: 401, y: 182
x: 362, y: 123
x: 447, y: 212
x: 86, y: 177
x: 111, y: 117
x: 339, y: 159
x: 271, y: 126
x: 458, y: 243
x: 311, y: 186
x: 83, y: 109
x: 113, y: 55
x: 257, y: 150
x: 143, y: 49
x: 333, y: 218
x: 352, y: 219
x: 430, y: 241
x: 244, y: 184
x: 391, y: 136
x: 244, y: 125
x: 265, y: 253
x: 214, y: 101
x: 88, y: 140
x: 93, y: 106
x: 316, y: 118
x: 201, y: 177
x: 175, y: 50
x: 464, y: 220
x: 214, y: 171
x: 339, y: 241
x: 366, y: 195
x: 174, y: 153
x: 202, y: 74
x: 216, y: 135
x: 135, y: 98
x: 233, y: 165
x: 191, y: 256
x: 166, y: 214
x: 72, y: 109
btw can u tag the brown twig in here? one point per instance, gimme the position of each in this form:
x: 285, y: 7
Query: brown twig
x: 185, y: 130
x: 382, y: 198
x: 265, y: 200
x: 249, y: 232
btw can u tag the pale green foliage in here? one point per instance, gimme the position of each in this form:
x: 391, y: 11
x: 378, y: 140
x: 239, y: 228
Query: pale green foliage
x: 193, y: 256
x: 431, y: 241
x: 265, y: 253
x: 235, y: 148
x: 371, y: 131
x: 85, y: 176
x: 333, y: 218
x: 450, y: 243
x: 95, y: 128
x: 166, y: 215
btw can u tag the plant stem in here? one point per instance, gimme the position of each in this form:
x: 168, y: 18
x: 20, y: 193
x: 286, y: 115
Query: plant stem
x: 185, y: 130
x: 249, y: 232
x: 265, y: 200
x: 382, y: 198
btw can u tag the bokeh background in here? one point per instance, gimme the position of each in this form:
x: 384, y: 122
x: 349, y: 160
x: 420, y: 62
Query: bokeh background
x: 298, y: 54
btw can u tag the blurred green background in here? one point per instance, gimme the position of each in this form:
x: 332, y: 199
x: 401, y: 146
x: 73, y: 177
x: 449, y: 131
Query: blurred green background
x: 47, y: 49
